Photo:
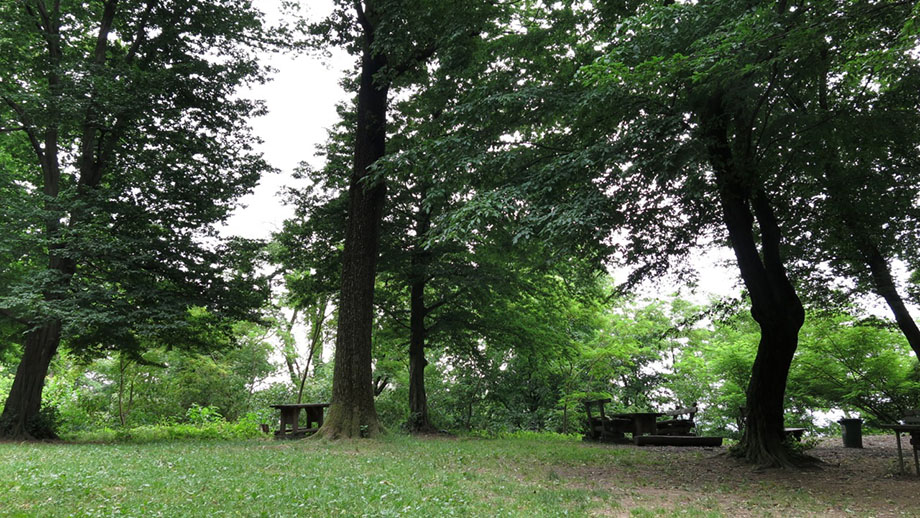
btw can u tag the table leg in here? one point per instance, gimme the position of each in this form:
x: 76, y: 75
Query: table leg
x: 311, y: 417
x: 916, y: 462
x: 282, y: 428
x: 900, y: 455
x: 645, y: 425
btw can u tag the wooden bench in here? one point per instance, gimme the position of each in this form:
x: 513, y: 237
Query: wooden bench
x: 909, y: 424
x: 290, y: 419
x: 602, y: 428
x: 677, y: 426
x: 677, y: 440
x: 791, y: 433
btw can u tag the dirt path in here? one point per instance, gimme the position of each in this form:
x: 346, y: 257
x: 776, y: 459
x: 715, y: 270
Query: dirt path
x: 690, y: 481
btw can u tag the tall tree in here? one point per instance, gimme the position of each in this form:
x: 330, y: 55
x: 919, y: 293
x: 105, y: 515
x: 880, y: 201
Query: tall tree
x: 394, y: 39
x: 857, y: 132
x: 711, y: 104
x: 136, y: 145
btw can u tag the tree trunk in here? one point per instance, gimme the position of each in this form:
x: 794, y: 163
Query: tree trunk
x: 774, y: 303
x: 24, y: 402
x: 884, y: 286
x: 841, y: 195
x: 879, y: 270
x: 418, y: 400
x: 352, y: 412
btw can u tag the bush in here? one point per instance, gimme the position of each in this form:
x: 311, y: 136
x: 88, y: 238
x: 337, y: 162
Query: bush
x: 200, y: 415
x: 246, y: 428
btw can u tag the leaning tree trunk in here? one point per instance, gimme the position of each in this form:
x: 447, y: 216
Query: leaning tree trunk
x: 841, y: 196
x: 884, y: 286
x: 23, y: 404
x: 418, y: 401
x: 774, y: 303
x: 352, y: 412
x: 879, y: 270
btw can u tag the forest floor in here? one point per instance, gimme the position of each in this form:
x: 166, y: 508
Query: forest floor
x: 523, y: 476
x: 848, y: 482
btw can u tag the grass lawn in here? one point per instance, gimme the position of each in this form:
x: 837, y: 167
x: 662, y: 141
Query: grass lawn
x: 405, y: 476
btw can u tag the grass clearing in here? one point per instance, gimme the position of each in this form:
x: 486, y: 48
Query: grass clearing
x: 395, y: 476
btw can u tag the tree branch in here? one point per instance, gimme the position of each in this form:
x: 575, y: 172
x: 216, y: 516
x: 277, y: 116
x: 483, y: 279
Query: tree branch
x: 27, y: 126
x: 362, y: 18
x: 11, y: 316
x: 140, y: 35
x: 90, y: 165
x: 394, y: 317
x: 441, y: 302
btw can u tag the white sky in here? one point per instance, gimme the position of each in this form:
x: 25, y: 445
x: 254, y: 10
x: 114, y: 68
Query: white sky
x: 301, y: 101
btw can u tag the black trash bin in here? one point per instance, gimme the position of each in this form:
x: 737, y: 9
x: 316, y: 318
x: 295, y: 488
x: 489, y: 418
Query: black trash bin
x: 852, y: 432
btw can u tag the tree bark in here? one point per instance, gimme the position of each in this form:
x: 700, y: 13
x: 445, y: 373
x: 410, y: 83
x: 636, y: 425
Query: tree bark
x: 775, y: 305
x: 418, y: 401
x: 24, y: 402
x: 871, y: 256
x: 352, y: 412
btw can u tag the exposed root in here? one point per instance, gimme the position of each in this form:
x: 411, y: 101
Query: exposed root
x: 349, y: 423
x: 783, y: 456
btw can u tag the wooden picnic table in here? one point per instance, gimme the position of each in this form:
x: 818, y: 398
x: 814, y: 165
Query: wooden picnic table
x: 290, y: 415
x: 643, y: 423
x: 914, y: 431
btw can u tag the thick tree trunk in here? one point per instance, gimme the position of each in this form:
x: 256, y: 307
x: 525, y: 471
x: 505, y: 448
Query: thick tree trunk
x: 24, y: 402
x: 774, y: 303
x: 352, y: 412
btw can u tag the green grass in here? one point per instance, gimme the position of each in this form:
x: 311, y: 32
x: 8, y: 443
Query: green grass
x: 397, y: 476
x: 524, y: 476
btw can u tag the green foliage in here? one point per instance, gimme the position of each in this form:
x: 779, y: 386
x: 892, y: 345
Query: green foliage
x: 199, y: 415
x: 857, y: 365
x: 123, y: 145
x: 164, y: 386
x: 212, y: 427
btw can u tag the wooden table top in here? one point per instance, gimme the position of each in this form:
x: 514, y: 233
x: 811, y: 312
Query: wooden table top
x: 301, y: 405
x: 901, y: 427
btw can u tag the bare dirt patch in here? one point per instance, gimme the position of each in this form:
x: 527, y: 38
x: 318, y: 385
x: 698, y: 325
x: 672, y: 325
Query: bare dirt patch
x: 849, y: 482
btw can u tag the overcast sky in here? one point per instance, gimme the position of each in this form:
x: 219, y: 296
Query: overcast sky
x: 301, y: 101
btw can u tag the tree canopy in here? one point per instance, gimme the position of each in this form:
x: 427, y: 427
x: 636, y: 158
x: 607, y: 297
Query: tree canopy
x: 127, y: 144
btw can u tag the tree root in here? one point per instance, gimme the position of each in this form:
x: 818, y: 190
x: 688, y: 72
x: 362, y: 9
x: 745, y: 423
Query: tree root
x: 784, y: 457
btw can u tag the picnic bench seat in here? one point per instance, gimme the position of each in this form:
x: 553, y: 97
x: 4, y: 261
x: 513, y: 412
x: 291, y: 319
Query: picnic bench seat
x: 677, y: 426
x: 910, y: 424
x: 677, y: 440
x: 603, y: 428
x: 790, y: 432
